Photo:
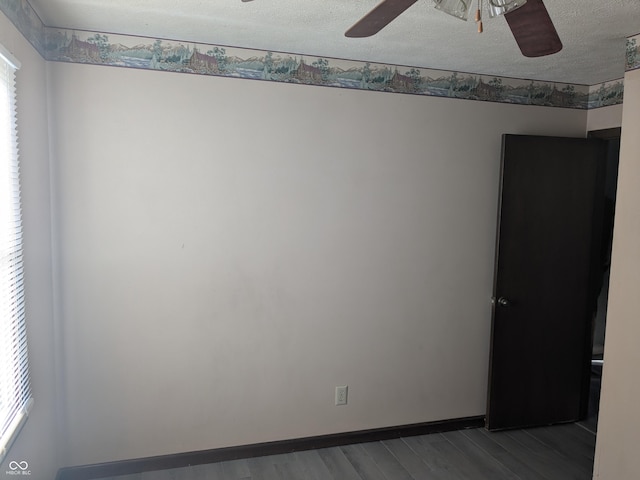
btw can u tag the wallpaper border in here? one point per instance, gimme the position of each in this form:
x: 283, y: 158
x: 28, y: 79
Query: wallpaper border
x: 26, y: 20
x: 130, y: 51
x: 633, y: 53
x: 97, y: 48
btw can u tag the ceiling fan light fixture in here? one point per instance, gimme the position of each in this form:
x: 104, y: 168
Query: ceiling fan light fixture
x: 500, y: 7
x: 457, y: 8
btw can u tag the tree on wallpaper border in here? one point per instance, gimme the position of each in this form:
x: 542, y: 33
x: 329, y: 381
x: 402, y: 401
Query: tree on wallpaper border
x: 632, y: 54
x: 102, y: 42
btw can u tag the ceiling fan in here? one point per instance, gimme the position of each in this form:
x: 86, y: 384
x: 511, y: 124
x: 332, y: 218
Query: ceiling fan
x: 528, y: 20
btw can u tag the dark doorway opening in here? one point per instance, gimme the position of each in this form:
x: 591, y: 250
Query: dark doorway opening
x: 612, y: 137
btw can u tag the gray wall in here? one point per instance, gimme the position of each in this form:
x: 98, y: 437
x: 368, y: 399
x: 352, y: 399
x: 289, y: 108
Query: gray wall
x: 37, y: 444
x: 230, y: 251
x: 605, y: 117
x: 619, y: 423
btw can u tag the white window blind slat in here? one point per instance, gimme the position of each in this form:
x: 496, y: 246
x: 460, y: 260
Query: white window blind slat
x: 15, y: 389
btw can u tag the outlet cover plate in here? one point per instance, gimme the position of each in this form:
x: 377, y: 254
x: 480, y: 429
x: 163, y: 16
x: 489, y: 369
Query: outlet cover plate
x: 341, y: 395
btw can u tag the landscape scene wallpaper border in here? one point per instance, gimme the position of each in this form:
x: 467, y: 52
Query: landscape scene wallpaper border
x: 97, y: 48
x: 633, y: 53
x: 26, y: 20
x: 167, y: 55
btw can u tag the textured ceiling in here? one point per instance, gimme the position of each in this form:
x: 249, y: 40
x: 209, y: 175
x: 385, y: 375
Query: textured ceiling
x: 593, y: 32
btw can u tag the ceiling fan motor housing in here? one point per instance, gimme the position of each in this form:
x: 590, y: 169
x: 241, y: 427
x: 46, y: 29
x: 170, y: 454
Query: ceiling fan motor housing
x: 500, y: 7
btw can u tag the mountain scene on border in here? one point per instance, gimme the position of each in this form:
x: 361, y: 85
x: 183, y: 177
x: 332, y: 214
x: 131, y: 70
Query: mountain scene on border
x: 157, y: 54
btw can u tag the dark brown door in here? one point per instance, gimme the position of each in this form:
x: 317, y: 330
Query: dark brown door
x: 547, y: 268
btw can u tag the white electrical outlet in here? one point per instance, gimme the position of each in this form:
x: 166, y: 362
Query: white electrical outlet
x: 341, y: 395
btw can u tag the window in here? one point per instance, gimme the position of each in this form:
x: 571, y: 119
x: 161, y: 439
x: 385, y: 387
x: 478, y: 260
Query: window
x: 15, y: 391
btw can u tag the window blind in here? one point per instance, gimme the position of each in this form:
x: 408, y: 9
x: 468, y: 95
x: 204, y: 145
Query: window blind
x: 15, y: 390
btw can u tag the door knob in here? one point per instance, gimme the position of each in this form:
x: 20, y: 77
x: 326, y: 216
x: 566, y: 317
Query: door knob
x: 503, y: 302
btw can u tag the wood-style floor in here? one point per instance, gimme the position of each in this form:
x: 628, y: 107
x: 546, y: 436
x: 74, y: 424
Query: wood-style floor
x: 561, y: 452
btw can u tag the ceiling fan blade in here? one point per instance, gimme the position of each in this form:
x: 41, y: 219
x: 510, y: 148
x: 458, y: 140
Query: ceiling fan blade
x: 378, y: 18
x: 533, y: 29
